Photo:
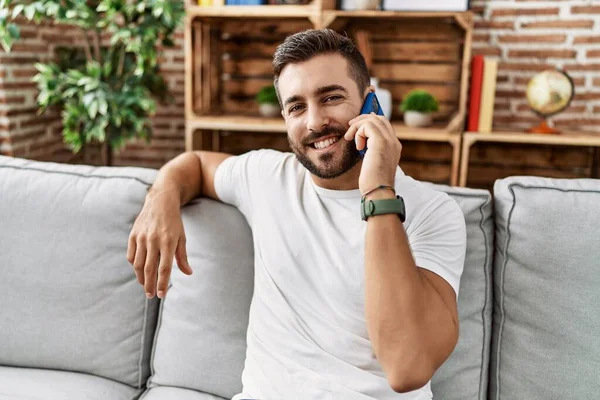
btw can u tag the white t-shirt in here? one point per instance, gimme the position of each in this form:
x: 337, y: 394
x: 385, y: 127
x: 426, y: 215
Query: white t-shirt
x: 307, y: 336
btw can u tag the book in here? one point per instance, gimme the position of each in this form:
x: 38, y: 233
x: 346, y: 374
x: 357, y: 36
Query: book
x: 488, y: 94
x: 475, y: 93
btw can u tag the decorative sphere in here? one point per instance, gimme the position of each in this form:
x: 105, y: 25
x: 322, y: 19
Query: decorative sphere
x: 550, y: 92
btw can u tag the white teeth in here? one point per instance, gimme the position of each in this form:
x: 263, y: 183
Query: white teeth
x: 325, y: 143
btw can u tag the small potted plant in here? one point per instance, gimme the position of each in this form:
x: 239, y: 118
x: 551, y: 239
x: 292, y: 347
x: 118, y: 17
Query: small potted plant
x: 417, y: 107
x: 268, y: 104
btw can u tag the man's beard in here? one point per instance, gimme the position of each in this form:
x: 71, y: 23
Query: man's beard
x: 328, y: 167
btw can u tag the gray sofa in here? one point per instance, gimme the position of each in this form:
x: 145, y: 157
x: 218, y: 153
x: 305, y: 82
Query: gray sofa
x: 75, y: 324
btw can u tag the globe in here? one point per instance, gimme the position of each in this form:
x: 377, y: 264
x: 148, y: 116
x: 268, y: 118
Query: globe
x: 549, y: 93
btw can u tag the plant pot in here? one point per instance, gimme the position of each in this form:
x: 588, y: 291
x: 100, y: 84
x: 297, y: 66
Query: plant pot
x: 269, y: 110
x: 417, y: 119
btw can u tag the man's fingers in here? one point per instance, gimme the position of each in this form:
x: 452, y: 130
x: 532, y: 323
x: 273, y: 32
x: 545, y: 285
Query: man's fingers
x: 131, y: 246
x: 181, y: 256
x: 164, y: 270
x: 150, y: 270
x: 140, y: 260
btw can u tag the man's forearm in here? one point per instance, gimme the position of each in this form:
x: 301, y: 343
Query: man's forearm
x: 403, y: 310
x: 181, y: 175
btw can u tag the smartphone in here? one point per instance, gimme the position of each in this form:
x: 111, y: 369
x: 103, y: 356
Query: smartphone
x: 370, y: 105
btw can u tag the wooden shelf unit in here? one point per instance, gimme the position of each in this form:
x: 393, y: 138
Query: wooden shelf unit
x: 583, y: 139
x: 228, y: 51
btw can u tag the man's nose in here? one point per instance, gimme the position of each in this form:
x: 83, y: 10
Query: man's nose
x: 317, y: 119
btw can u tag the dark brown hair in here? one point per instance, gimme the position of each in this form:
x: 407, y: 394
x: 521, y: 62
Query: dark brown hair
x: 303, y: 46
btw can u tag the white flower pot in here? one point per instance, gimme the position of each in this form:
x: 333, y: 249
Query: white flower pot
x: 269, y: 110
x: 417, y: 119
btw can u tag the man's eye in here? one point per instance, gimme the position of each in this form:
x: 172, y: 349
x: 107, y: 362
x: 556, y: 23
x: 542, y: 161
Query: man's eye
x: 297, y: 107
x: 332, y: 98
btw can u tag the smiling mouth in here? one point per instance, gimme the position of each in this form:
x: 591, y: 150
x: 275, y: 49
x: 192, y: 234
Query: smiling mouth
x: 324, y: 144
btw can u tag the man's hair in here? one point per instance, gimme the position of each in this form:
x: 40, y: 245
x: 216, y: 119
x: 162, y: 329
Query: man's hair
x: 303, y: 46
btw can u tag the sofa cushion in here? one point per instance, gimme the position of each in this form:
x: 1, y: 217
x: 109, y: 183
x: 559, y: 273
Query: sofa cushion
x: 41, y: 384
x: 464, y: 376
x: 201, y: 337
x: 70, y: 299
x: 171, y: 393
x: 546, y: 337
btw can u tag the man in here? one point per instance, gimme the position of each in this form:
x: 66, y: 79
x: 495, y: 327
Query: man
x: 343, y: 308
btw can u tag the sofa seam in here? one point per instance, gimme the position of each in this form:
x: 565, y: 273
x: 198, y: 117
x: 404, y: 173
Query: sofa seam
x: 502, y: 272
x: 76, y: 174
x: 155, y: 339
x: 486, y: 299
x: 141, y: 359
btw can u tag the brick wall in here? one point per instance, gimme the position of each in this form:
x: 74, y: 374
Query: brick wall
x: 527, y: 35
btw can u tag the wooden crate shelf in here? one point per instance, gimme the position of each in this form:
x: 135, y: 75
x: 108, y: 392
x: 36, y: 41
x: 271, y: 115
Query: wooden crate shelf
x: 569, y: 139
x: 229, y: 59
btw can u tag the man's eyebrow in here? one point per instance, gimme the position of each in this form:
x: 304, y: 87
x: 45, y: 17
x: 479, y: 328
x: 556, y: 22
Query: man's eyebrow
x: 318, y: 92
x: 330, y: 88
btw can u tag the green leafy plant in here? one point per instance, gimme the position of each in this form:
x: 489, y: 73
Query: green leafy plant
x: 419, y: 100
x: 106, y: 93
x: 267, y: 95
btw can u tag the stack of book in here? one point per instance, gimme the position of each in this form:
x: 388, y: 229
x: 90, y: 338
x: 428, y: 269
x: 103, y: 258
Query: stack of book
x: 482, y: 94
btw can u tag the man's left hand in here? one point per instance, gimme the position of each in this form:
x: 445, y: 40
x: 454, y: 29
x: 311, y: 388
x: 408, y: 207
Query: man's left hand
x: 383, y: 154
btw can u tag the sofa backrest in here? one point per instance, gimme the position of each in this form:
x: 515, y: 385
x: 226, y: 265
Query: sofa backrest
x: 70, y: 300
x: 464, y: 376
x: 546, y: 339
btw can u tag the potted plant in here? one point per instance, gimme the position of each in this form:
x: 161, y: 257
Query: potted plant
x: 106, y: 91
x: 417, y: 107
x: 268, y: 104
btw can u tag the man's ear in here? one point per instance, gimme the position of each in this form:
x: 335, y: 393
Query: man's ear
x: 368, y: 90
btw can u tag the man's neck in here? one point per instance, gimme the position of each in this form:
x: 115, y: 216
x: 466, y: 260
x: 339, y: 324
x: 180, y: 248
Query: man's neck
x: 346, y: 181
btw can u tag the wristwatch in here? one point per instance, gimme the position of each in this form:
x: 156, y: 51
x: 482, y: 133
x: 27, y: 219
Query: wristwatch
x: 384, y: 206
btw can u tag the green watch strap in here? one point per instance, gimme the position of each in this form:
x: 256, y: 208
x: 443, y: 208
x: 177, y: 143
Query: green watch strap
x: 369, y: 208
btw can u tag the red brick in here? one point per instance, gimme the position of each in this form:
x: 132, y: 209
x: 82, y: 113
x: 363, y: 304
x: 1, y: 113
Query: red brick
x: 22, y: 111
x: 543, y: 53
x: 494, y: 24
x: 597, y: 109
x: 593, y: 53
x: 587, y: 39
x: 523, y: 67
x: 481, y: 38
x: 38, y: 121
x: 502, y: 107
x: 503, y: 12
x: 571, y: 108
x: 2, y: 74
x: 24, y: 73
x: 579, y: 67
x: 587, y: 96
x: 487, y: 51
x: 596, y: 82
x: 510, y: 93
x: 508, y: 119
x: 29, y: 48
x: 585, y: 10
x: 23, y: 59
x: 563, y: 24
x: 532, y: 38
x: 17, y: 85
x: 524, y: 80
x: 477, y: 10
x: 12, y: 99
x: 576, y: 121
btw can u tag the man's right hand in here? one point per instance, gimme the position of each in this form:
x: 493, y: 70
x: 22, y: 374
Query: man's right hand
x: 158, y: 235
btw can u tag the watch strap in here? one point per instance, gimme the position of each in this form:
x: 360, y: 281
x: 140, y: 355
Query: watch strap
x: 383, y: 206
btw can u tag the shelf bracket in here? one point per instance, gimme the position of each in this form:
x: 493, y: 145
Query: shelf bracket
x: 465, y: 20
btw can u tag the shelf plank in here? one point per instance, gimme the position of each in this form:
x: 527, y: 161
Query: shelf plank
x: 391, y: 14
x: 277, y: 125
x: 267, y: 11
x: 565, y: 138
